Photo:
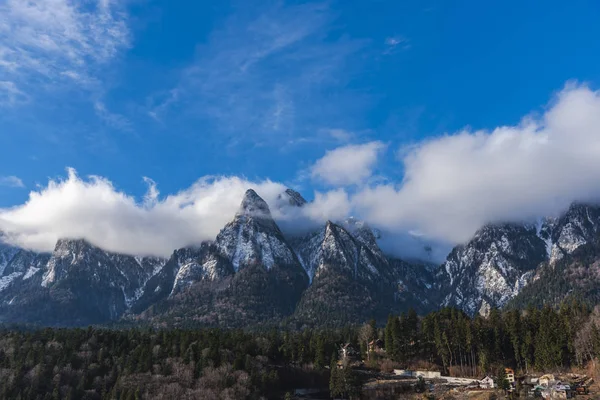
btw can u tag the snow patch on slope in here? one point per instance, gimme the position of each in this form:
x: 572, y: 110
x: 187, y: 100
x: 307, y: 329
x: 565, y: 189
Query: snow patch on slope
x: 5, y: 281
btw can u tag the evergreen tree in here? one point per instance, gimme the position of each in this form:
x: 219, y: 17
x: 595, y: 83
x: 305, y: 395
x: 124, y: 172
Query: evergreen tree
x: 501, y: 381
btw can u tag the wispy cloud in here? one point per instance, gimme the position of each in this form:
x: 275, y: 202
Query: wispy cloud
x: 112, y: 119
x: 10, y: 95
x: 265, y: 75
x: 11, y: 181
x: 49, y: 45
x: 396, y: 43
x: 340, y: 135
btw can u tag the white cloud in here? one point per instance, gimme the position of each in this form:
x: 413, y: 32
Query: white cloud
x: 44, y: 43
x: 452, y: 186
x: 347, y: 165
x: 333, y: 205
x: 456, y: 183
x: 11, y: 181
x: 340, y: 135
x: 95, y: 210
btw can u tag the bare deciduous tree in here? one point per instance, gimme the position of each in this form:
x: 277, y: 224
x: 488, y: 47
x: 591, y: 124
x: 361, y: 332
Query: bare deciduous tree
x: 365, y: 335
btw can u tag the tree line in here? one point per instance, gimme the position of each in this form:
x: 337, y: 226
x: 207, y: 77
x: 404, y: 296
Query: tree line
x: 526, y: 340
x: 100, y: 363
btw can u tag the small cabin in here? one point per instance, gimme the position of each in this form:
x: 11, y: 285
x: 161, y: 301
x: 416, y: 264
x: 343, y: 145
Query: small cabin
x: 487, y: 383
x: 510, y: 375
x: 347, y: 352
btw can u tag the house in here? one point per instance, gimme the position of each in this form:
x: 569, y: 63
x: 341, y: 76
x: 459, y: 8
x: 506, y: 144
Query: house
x: 376, y: 345
x: 510, y: 375
x: 487, y: 383
x: 347, y: 353
x: 547, y: 380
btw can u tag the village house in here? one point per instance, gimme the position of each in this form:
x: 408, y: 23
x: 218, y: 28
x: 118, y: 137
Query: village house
x: 487, y: 383
x: 547, y: 380
x: 347, y: 355
x: 376, y: 345
x: 510, y: 375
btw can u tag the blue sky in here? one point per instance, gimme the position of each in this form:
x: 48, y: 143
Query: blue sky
x: 176, y: 91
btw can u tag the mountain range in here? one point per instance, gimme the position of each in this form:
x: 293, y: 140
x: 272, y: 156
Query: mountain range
x: 253, y: 274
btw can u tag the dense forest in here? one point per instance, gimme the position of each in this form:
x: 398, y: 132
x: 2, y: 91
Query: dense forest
x: 100, y: 363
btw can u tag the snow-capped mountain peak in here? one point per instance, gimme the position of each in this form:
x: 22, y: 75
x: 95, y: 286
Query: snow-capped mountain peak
x: 254, y: 205
x: 254, y: 237
x: 292, y: 198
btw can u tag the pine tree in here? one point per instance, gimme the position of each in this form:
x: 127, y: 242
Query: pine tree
x: 320, y: 352
x: 501, y: 381
x: 389, y: 334
x: 334, y: 379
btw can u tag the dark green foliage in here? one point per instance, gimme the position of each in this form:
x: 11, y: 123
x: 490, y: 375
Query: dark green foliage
x: 541, y: 339
x: 135, y: 364
x: 344, y: 383
x: 501, y: 381
x: 143, y: 363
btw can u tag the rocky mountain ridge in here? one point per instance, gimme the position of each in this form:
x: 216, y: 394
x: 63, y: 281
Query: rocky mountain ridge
x: 252, y: 273
x: 502, y: 259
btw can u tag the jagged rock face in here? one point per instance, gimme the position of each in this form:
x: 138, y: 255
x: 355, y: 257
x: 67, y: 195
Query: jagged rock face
x: 19, y: 266
x: 415, y: 286
x: 269, y: 279
x: 248, y: 275
x: 578, y: 226
x: 575, y: 275
x: 198, y: 265
x: 351, y: 279
x: 291, y: 198
x: 27, y: 264
x: 573, y: 267
x: 77, y: 284
x: 78, y: 259
x: 492, y: 268
x: 334, y: 247
x: 6, y: 255
x: 253, y: 237
x: 362, y: 232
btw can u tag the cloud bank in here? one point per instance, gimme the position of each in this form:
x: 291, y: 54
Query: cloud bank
x: 456, y: 183
x: 452, y: 185
x: 95, y: 210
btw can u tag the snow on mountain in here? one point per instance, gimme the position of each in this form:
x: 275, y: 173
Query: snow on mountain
x: 492, y: 268
x: 290, y: 198
x: 259, y: 272
x: 333, y: 246
x: 199, y: 264
x: 253, y: 237
x: 7, y: 279
x: 578, y: 226
x: 6, y: 255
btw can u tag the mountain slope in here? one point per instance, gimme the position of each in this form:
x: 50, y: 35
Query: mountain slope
x: 351, y: 279
x: 576, y: 227
x: 248, y: 275
x: 491, y: 268
x: 574, y: 275
x: 77, y: 284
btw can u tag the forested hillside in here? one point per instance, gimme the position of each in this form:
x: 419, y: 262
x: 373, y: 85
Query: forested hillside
x: 99, y: 363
